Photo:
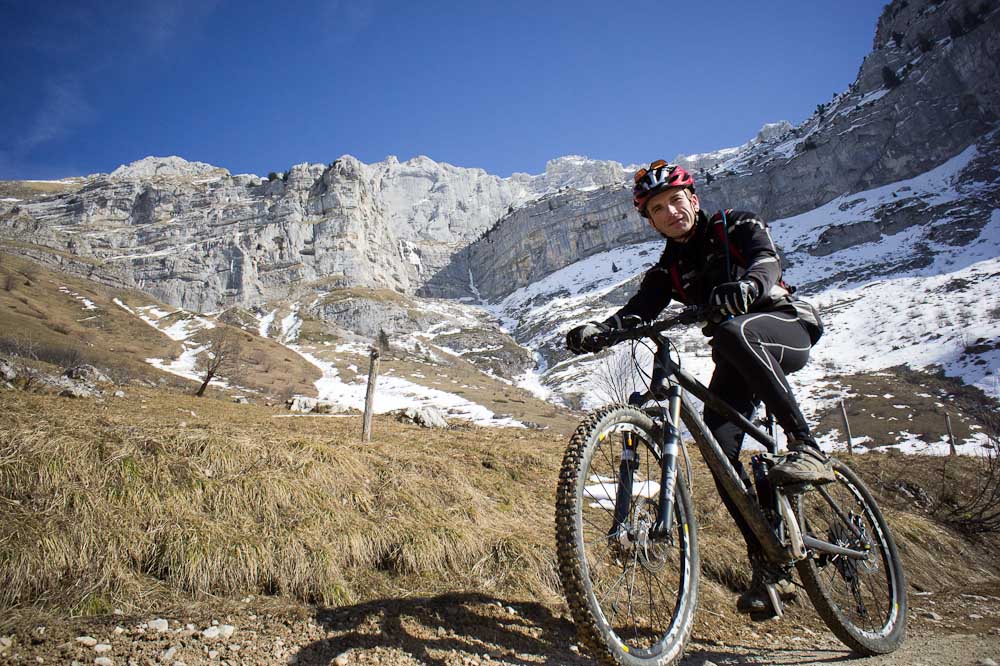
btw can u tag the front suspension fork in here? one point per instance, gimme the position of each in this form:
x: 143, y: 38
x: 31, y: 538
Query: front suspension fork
x: 626, y: 475
x: 660, y: 531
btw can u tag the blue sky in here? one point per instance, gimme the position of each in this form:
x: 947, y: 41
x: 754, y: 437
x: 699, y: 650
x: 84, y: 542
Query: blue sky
x: 505, y: 86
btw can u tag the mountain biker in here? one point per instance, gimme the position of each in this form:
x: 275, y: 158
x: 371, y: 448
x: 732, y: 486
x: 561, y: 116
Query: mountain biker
x: 762, y: 332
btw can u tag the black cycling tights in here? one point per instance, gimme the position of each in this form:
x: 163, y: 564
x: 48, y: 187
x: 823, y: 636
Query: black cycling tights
x: 752, y: 354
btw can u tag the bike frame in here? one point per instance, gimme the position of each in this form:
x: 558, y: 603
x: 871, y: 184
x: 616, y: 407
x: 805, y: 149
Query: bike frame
x: 669, y: 383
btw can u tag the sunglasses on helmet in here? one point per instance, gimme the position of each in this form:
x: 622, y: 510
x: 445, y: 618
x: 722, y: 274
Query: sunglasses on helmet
x: 651, y: 176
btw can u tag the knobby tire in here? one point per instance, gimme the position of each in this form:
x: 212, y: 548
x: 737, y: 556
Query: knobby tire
x: 863, y: 604
x: 632, y: 606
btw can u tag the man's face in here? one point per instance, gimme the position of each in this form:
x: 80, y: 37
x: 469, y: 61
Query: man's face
x: 672, y: 212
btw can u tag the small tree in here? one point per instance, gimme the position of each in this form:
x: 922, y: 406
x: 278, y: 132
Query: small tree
x: 614, y: 380
x: 223, y: 355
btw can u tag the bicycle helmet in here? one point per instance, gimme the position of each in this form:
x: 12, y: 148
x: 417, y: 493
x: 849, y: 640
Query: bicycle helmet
x: 657, y: 177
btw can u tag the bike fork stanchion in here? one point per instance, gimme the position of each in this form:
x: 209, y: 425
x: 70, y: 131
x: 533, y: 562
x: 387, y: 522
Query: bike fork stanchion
x: 626, y: 472
x: 668, y: 467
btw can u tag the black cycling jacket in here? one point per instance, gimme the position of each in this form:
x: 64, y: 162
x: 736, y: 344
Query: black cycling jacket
x: 687, y: 272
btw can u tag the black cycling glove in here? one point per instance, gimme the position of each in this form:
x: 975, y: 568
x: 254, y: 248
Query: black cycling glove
x: 735, y: 298
x: 584, y: 339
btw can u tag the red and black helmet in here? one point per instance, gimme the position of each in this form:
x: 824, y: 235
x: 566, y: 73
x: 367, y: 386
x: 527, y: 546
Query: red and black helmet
x: 657, y: 177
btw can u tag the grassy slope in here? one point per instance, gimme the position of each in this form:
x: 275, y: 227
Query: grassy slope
x: 161, y: 499
x: 34, y: 310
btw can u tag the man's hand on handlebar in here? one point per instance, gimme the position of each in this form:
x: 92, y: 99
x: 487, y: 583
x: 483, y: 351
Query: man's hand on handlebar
x: 588, y: 338
x: 592, y: 337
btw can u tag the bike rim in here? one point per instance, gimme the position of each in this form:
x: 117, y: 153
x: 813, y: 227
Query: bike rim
x: 636, y: 586
x: 865, y: 592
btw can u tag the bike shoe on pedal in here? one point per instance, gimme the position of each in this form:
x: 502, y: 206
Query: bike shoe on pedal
x: 804, y: 463
x: 755, y: 600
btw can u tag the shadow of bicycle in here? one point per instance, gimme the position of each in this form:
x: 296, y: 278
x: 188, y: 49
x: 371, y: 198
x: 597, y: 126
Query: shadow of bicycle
x: 444, y: 630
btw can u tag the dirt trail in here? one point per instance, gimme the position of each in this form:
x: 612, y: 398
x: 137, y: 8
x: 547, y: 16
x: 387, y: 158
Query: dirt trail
x: 939, y: 650
x: 460, y: 630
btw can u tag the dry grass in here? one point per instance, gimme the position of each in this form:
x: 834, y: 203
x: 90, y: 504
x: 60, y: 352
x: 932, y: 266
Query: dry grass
x: 28, y: 190
x: 112, y: 507
x: 139, y: 503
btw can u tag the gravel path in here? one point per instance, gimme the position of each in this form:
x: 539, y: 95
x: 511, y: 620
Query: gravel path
x: 459, y: 630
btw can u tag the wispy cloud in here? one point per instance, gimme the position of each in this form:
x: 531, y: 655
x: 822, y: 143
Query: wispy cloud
x: 161, y: 24
x: 63, y: 109
x: 77, y: 45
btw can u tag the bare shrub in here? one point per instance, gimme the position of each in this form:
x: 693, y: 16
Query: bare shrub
x: 973, y: 506
x: 615, y: 378
x: 64, y: 356
x: 223, y: 356
x: 119, y: 374
x: 10, y: 282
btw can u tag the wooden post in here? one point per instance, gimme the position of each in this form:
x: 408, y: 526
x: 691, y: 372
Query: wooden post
x: 951, y: 435
x: 847, y: 428
x: 366, y: 428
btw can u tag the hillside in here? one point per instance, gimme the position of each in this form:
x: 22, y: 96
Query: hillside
x: 161, y: 504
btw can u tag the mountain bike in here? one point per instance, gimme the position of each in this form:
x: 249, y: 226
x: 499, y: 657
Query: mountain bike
x: 627, y: 538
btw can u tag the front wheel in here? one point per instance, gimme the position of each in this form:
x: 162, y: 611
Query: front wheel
x: 632, y: 597
x: 863, y: 602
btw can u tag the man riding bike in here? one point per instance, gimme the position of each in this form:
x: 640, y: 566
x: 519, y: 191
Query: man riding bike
x: 728, y: 262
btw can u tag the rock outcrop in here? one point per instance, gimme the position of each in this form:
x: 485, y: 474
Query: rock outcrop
x: 195, y: 236
x: 929, y: 89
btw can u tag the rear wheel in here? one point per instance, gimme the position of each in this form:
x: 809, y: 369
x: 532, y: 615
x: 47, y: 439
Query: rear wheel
x: 862, y: 601
x: 632, y: 597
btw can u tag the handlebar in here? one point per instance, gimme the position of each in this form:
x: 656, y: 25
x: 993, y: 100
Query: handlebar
x: 691, y: 314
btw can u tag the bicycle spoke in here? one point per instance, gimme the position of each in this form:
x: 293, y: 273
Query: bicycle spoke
x: 630, y: 585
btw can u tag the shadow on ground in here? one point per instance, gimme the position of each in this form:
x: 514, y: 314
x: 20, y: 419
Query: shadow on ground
x: 445, y: 629
x: 735, y: 654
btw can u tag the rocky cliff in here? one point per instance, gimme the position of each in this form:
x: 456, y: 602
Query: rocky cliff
x: 196, y: 236
x: 929, y: 89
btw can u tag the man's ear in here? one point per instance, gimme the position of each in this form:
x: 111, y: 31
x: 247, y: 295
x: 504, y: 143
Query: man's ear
x: 694, y: 202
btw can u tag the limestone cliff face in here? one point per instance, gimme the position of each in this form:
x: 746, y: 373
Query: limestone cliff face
x: 929, y: 88
x: 198, y: 237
